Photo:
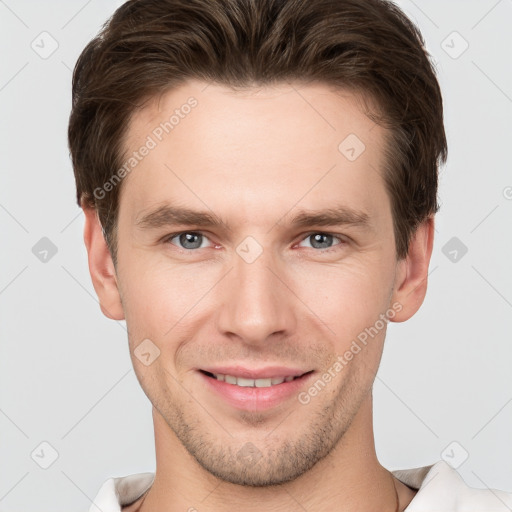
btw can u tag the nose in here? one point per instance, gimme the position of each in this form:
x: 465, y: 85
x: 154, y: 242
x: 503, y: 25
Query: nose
x: 257, y: 302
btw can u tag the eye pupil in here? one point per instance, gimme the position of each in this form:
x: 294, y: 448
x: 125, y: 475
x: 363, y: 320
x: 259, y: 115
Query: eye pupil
x: 320, y: 238
x: 190, y: 240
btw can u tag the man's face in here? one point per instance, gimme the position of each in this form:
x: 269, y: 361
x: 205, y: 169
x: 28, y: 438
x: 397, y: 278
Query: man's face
x: 258, y: 294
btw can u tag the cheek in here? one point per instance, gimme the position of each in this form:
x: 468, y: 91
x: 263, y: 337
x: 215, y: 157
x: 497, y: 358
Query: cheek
x: 159, y: 300
x: 347, y: 297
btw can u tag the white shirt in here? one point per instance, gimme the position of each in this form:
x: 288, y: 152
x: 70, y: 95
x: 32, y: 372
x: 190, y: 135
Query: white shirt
x: 440, y: 489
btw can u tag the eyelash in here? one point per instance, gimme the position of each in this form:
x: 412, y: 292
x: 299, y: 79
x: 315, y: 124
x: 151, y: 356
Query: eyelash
x: 342, y: 241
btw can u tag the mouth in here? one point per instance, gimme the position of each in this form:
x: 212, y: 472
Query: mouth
x: 245, y: 382
x: 254, y: 390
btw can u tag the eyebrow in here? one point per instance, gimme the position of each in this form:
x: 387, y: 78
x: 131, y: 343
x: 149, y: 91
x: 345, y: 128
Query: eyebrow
x: 167, y: 215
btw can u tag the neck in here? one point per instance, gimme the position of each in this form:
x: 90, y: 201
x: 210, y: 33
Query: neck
x: 350, y: 478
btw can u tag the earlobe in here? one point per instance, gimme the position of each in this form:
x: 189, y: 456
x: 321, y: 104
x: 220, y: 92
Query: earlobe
x: 411, y: 277
x: 101, y: 266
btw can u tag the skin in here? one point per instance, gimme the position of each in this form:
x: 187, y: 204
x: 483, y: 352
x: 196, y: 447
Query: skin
x: 255, y: 157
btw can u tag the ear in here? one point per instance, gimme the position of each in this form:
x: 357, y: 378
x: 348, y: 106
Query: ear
x: 412, y: 272
x: 101, y: 266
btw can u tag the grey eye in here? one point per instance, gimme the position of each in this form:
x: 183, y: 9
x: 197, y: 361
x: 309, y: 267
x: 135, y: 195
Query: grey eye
x: 189, y: 240
x: 321, y: 240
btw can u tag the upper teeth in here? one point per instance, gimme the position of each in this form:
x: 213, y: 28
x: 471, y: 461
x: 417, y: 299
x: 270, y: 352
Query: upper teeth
x: 258, y: 383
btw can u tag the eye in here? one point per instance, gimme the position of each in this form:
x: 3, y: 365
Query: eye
x: 187, y: 240
x: 190, y: 240
x: 323, y: 241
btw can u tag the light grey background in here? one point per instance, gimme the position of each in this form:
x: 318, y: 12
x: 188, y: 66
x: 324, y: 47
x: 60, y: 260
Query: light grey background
x: 65, y: 373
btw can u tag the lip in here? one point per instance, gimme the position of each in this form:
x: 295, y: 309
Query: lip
x: 262, y: 373
x: 255, y: 399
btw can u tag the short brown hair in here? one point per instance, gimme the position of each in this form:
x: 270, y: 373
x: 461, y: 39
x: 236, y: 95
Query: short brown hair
x: 367, y: 46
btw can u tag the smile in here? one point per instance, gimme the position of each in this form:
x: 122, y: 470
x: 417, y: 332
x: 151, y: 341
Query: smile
x: 251, y: 383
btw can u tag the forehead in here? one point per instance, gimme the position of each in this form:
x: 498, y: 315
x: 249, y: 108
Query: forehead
x: 256, y: 147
